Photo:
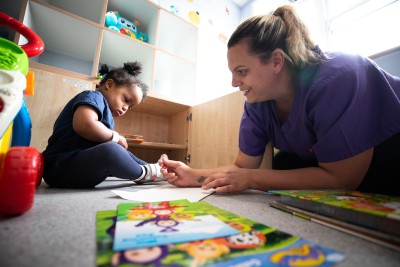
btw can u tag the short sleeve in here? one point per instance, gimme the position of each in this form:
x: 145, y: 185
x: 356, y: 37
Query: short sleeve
x: 253, y: 136
x: 92, y: 98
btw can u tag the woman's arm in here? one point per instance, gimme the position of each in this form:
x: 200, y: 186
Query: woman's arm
x: 179, y: 174
x: 343, y: 174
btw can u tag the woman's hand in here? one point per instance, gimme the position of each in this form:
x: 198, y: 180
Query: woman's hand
x: 230, y: 180
x: 179, y: 174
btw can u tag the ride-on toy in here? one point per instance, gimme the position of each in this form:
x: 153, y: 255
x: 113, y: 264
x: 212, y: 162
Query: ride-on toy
x: 21, y: 166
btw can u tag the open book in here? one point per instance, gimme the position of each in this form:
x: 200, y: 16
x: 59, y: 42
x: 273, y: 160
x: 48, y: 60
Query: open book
x: 254, y: 244
x: 375, y: 217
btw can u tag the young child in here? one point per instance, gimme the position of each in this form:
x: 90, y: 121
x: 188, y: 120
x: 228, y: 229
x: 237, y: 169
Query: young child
x: 84, y: 149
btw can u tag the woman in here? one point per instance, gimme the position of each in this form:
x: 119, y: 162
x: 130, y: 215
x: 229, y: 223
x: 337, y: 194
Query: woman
x: 334, y: 117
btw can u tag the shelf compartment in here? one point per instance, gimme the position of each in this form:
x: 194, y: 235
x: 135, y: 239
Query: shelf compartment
x: 116, y: 49
x: 91, y: 10
x: 72, y: 48
x: 177, y: 36
x: 142, y: 11
x: 175, y: 78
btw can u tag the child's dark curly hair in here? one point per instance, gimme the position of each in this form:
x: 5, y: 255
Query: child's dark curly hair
x: 126, y: 75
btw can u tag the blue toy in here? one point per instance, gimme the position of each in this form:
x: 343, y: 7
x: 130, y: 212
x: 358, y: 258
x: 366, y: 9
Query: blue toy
x: 119, y: 24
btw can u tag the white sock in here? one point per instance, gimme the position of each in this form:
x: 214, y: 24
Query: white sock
x: 144, y: 171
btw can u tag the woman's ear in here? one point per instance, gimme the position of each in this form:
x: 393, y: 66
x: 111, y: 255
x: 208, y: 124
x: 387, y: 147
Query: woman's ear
x: 277, y: 59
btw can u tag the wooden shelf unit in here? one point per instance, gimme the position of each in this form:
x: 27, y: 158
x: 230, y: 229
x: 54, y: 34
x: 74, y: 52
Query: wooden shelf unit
x: 77, y: 43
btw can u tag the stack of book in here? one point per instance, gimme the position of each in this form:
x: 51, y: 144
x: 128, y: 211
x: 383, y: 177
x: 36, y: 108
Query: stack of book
x: 374, y: 217
x: 182, y: 233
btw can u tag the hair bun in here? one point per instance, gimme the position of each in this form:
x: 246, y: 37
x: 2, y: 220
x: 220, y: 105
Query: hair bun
x: 133, y: 68
x: 104, y: 69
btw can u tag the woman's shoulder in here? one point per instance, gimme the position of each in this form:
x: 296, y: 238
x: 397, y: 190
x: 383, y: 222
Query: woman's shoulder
x: 341, y: 68
x: 340, y: 60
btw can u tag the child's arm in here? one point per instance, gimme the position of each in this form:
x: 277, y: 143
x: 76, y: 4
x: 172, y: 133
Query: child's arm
x: 86, y: 123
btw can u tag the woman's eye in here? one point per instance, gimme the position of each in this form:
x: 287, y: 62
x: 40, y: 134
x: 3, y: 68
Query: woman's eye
x: 241, y: 72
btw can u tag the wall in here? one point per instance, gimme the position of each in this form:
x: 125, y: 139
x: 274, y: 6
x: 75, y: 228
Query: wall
x: 216, y: 21
x: 310, y: 11
x: 389, y: 60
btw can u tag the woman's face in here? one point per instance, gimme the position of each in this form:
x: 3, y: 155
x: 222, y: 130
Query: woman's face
x: 254, y: 79
x: 122, y: 98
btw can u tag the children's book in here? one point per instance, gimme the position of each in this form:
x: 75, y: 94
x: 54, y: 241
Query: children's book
x: 376, y: 212
x: 384, y: 239
x: 255, y: 244
x: 146, y: 224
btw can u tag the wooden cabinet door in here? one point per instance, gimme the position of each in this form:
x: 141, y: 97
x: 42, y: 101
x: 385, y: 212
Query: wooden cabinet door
x: 52, y: 92
x: 214, y: 131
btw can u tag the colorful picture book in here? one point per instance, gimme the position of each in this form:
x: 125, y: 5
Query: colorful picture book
x: 252, y: 244
x: 371, y: 216
x: 169, y: 222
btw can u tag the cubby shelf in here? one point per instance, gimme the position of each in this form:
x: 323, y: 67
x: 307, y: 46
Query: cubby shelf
x: 77, y: 40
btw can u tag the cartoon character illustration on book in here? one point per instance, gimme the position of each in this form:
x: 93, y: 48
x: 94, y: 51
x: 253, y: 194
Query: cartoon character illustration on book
x: 168, y: 224
x: 151, y: 255
x: 250, y: 239
x: 203, y: 250
x: 304, y: 255
x: 151, y: 210
x: 143, y: 214
x: 240, y: 226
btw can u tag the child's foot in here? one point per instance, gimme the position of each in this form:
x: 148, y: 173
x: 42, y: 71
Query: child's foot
x: 152, y: 172
x: 159, y: 162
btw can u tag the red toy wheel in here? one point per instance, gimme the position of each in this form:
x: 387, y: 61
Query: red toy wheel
x: 21, y: 173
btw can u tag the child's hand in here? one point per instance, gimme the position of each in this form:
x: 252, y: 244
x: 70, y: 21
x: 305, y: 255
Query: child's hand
x: 122, y: 142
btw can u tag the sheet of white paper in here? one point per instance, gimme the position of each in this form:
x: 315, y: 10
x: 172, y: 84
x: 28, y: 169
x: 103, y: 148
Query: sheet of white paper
x: 162, y: 192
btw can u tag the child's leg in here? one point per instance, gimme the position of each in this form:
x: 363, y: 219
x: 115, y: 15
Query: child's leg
x: 92, y: 166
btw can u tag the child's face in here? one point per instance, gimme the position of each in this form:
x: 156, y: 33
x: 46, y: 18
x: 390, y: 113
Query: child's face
x: 122, y: 98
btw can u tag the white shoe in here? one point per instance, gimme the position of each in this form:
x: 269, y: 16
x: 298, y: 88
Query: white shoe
x: 152, y: 172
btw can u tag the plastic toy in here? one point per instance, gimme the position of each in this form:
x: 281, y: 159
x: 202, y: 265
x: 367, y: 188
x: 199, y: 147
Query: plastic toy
x: 21, y: 166
x: 119, y: 24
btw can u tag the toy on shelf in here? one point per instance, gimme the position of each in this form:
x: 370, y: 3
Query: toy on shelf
x: 21, y: 166
x: 119, y: 24
x: 135, y: 138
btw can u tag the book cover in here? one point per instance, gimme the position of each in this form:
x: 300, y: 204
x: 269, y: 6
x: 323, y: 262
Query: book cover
x: 255, y: 245
x: 146, y: 224
x: 374, y: 211
x: 378, y: 237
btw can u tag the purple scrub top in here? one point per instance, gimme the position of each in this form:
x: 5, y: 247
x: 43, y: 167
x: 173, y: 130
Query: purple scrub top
x: 342, y: 107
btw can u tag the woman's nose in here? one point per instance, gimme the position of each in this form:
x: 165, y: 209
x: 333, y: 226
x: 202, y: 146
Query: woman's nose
x: 235, y: 83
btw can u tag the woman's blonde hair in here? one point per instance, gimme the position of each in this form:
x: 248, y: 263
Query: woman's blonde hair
x: 282, y: 29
